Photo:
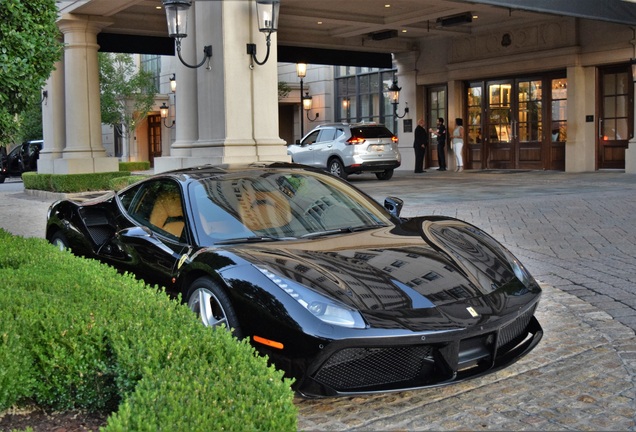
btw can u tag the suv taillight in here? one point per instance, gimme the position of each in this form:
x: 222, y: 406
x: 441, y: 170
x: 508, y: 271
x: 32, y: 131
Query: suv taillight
x: 355, y: 140
x: 394, y: 139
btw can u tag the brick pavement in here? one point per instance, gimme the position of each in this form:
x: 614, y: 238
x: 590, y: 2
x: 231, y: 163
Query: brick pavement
x: 576, y: 233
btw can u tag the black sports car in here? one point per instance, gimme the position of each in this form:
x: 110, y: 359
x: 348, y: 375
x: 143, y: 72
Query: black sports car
x: 339, y: 291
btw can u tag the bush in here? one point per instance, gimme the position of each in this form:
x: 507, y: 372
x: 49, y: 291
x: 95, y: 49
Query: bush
x: 134, y: 166
x: 70, y: 183
x: 75, y: 334
x: 121, y: 182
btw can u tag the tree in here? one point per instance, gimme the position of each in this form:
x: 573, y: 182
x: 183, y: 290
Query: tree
x: 127, y: 93
x: 29, y: 47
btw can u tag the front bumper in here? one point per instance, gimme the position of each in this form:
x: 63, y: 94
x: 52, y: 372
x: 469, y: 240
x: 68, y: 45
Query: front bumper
x: 361, y: 366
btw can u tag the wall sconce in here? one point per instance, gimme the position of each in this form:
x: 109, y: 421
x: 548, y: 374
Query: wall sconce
x: 307, y: 102
x: 394, y: 97
x: 163, y: 109
x: 346, y: 106
x: 177, y: 16
x: 173, y: 83
x: 267, y: 11
x: 45, y: 96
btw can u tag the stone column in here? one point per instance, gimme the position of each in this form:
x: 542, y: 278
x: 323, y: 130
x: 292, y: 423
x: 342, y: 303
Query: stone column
x: 236, y: 105
x: 83, y: 152
x: 580, y: 146
x: 53, y: 121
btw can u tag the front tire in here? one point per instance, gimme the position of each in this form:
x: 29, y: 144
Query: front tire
x: 212, y: 305
x: 59, y: 240
x: 336, y: 168
x: 384, y: 175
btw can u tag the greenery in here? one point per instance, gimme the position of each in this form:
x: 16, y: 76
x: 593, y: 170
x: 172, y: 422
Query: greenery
x: 134, y: 166
x: 29, y: 47
x: 283, y: 89
x: 77, y: 335
x: 127, y: 93
x: 71, y: 183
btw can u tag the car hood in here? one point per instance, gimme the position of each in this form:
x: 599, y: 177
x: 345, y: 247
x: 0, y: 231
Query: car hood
x: 428, y: 271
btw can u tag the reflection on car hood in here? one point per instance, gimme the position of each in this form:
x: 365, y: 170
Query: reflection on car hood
x: 406, y: 281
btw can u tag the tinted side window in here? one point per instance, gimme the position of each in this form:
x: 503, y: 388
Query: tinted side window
x: 327, y: 134
x: 157, y: 205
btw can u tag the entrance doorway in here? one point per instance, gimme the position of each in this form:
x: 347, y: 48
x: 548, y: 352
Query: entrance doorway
x: 515, y: 124
x: 154, y: 138
x: 614, y: 117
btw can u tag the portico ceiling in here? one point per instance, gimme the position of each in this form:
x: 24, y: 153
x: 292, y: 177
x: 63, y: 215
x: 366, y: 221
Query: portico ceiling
x: 351, y: 25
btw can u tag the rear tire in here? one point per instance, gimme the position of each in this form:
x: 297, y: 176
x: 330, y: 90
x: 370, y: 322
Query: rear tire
x: 336, y: 168
x: 384, y: 175
x: 212, y: 305
x: 2, y: 178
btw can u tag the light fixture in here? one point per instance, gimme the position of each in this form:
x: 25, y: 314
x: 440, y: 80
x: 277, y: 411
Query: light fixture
x: 301, y: 72
x: 307, y: 102
x: 173, y: 83
x: 45, y: 96
x: 394, y: 97
x: 177, y: 16
x: 267, y: 11
x: 163, y: 109
x: 632, y: 62
x: 346, y: 106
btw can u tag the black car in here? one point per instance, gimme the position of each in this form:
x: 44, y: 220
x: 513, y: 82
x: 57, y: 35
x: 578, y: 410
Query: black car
x: 339, y: 291
x: 20, y: 159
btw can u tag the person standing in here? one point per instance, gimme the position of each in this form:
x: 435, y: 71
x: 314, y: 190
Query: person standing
x: 441, y: 143
x: 420, y: 143
x: 458, y: 144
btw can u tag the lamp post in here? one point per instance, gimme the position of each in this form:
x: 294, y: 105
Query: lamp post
x: 301, y: 71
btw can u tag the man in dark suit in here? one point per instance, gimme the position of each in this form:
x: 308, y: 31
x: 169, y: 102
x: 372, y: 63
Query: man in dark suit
x: 420, y: 144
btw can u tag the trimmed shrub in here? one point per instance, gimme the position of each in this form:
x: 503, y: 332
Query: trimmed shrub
x: 70, y: 183
x: 134, y: 166
x: 119, y: 183
x: 76, y: 334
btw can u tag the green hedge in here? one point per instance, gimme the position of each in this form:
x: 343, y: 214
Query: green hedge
x: 75, y: 334
x: 70, y: 183
x: 134, y: 166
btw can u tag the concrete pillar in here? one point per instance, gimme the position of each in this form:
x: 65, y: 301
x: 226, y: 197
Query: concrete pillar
x: 53, y: 120
x: 406, y: 75
x: 83, y: 152
x: 236, y: 105
x: 580, y: 152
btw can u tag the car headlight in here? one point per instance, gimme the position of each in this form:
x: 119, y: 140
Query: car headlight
x: 519, y: 270
x: 327, y: 310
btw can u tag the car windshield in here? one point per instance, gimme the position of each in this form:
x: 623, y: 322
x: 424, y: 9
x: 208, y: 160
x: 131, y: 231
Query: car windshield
x: 276, y: 205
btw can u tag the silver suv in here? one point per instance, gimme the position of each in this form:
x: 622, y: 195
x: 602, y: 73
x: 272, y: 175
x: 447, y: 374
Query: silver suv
x: 344, y: 149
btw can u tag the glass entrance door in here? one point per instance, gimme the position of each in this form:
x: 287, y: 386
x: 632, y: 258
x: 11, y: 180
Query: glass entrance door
x: 499, y: 127
x: 514, y: 124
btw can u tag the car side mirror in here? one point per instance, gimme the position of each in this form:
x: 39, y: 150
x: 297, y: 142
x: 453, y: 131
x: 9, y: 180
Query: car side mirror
x: 393, y: 205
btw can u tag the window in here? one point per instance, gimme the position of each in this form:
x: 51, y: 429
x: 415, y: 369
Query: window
x: 152, y: 63
x: 559, y: 110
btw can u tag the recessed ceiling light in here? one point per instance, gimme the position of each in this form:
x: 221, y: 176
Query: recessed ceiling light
x: 319, y: 23
x: 387, y: 5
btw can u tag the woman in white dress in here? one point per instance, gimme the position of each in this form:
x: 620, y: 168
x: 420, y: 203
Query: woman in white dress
x: 458, y: 144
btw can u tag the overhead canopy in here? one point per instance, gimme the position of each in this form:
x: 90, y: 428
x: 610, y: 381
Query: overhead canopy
x: 617, y: 11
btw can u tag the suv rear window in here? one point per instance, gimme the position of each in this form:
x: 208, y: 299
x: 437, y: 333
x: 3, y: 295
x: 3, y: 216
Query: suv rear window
x: 370, y: 132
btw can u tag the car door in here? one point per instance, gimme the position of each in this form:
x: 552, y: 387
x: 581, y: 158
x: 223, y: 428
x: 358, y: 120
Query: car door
x: 152, y: 248
x: 302, y: 152
x: 324, y: 146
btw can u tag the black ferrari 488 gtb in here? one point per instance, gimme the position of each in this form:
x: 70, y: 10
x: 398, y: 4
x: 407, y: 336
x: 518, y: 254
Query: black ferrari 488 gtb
x: 339, y: 291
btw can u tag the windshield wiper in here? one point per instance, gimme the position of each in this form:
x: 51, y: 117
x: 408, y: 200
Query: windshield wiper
x: 253, y: 239
x: 342, y: 230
